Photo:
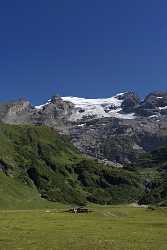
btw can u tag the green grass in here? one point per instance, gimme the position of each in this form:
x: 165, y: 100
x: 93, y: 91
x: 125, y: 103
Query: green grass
x: 112, y: 228
x: 16, y: 195
x: 37, y: 162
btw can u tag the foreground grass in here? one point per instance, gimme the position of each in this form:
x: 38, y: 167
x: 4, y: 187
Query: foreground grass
x: 122, y: 228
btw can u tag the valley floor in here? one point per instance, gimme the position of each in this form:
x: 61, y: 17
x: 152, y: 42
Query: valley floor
x: 112, y: 228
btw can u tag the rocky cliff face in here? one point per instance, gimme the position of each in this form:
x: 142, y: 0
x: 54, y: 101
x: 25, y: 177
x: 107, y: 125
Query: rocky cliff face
x: 120, y: 140
x: 119, y: 128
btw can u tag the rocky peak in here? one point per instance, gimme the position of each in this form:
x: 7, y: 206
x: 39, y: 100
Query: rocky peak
x: 130, y: 101
x: 156, y: 99
x: 19, y: 106
x: 154, y: 104
x: 57, y: 100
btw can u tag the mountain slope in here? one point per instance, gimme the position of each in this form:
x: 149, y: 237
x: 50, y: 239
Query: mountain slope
x: 153, y: 170
x: 15, y: 194
x: 35, y: 160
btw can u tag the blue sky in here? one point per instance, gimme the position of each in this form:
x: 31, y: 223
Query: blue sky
x: 89, y: 48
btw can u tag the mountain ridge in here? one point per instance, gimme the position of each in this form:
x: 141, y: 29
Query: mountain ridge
x: 118, y: 129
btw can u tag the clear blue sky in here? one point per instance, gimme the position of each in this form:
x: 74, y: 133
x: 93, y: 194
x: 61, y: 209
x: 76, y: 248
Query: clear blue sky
x: 89, y: 48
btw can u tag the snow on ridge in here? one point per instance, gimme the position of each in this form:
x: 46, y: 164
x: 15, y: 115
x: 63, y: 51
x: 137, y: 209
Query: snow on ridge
x: 92, y: 107
x: 98, y: 108
x: 120, y: 94
x: 43, y: 105
x: 83, y: 102
x: 162, y: 108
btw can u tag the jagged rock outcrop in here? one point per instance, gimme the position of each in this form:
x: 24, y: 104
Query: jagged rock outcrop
x: 130, y: 101
x: 154, y: 104
x: 119, y: 140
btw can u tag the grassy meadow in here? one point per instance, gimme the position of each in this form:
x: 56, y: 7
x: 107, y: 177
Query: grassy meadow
x: 107, y: 227
x: 41, y: 170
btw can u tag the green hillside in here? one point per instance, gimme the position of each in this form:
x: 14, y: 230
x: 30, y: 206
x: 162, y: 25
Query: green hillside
x: 38, y: 166
x: 16, y: 195
x: 153, y: 170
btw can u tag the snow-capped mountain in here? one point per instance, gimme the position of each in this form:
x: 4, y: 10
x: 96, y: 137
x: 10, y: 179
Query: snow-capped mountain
x: 95, y: 108
x: 116, y: 128
x: 105, y: 107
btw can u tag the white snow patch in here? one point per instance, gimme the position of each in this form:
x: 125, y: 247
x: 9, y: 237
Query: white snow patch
x: 162, y: 108
x: 121, y: 94
x: 43, y: 105
x: 81, y: 125
x: 84, y: 103
x: 129, y: 116
x: 153, y: 116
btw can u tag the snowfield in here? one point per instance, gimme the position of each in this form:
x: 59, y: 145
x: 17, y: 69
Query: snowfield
x: 98, y: 108
x: 95, y: 108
